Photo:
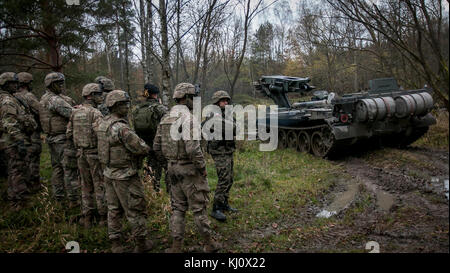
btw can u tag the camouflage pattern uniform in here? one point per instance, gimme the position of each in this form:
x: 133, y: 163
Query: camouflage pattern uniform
x: 121, y: 150
x: 158, y: 111
x: 34, y: 150
x: 187, y: 170
x: 82, y: 130
x: 107, y: 86
x: 222, y: 153
x: 54, y: 113
x: 17, y: 126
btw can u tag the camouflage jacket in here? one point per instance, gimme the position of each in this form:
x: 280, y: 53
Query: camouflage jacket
x: 183, y: 150
x: 220, y: 147
x: 54, y: 113
x: 82, y: 126
x: 33, y: 106
x: 16, y: 123
x: 124, y: 147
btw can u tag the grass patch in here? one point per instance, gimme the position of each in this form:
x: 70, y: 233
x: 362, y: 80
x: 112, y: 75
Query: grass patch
x: 438, y: 135
x: 268, y: 187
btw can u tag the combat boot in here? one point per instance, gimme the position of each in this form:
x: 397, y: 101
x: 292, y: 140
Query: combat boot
x: 218, y: 214
x: 116, y: 246
x: 226, y: 207
x: 143, y: 245
x: 177, y: 247
x: 211, y: 245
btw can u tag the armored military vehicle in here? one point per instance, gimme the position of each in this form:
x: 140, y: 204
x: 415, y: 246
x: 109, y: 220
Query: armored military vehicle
x: 383, y: 114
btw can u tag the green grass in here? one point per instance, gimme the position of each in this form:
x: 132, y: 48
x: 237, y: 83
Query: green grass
x: 268, y: 187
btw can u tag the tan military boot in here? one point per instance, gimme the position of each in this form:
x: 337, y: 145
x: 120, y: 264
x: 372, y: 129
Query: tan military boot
x: 116, y: 246
x: 211, y: 245
x: 177, y: 247
x: 143, y: 245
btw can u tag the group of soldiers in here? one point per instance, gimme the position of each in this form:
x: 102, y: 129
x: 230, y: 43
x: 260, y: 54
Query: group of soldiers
x: 98, y: 148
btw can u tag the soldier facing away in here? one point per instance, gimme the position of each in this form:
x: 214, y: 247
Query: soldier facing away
x: 106, y: 86
x: 82, y: 130
x: 25, y: 95
x: 121, y: 152
x: 54, y: 113
x: 187, y: 170
x: 146, y: 117
x: 17, y: 126
x: 222, y: 153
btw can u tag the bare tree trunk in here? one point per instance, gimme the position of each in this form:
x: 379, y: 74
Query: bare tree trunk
x: 150, y: 58
x: 165, y: 53
x: 119, y: 47
x: 177, y: 62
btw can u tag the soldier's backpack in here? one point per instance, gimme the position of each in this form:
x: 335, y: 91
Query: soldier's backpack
x: 145, y: 121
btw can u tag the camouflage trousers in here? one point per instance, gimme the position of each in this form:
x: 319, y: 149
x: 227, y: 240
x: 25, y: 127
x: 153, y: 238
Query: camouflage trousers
x: 126, y: 197
x: 92, y: 185
x: 188, y: 189
x: 224, y: 167
x: 65, y: 173
x: 33, y: 161
x: 17, y: 175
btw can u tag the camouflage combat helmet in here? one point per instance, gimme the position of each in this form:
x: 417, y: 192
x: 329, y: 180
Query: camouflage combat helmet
x: 99, y: 78
x: 116, y: 96
x: 53, y: 77
x: 218, y: 95
x: 107, y: 84
x: 90, y: 88
x: 182, y: 89
x: 8, y: 77
x: 25, y: 77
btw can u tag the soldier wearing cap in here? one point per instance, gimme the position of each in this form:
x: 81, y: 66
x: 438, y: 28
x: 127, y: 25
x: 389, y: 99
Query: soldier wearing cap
x: 222, y: 153
x: 120, y: 150
x: 17, y: 126
x: 82, y: 131
x: 25, y: 95
x: 54, y: 113
x: 187, y: 171
x: 145, y: 118
x: 106, y: 86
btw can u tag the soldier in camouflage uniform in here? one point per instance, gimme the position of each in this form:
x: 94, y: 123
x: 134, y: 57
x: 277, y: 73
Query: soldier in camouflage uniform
x: 17, y: 126
x: 54, y: 113
x: 187, y: 170
x: 121, y: 152
x: 106, y: 86
x: 82, y: 130
x: 34, y: 150
x: 146, y: 117
x: 222, y: 153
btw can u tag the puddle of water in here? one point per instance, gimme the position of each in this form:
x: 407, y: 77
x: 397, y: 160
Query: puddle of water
x: 326, y: 214
x: 384, y: 200
x: 341, y: 201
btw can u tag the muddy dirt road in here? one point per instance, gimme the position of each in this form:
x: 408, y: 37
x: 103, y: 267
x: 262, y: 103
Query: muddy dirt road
x: 397, y: 198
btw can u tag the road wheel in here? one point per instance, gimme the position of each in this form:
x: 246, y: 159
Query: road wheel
x: 282, y: 139
x: 292, y: 139
x: 322, y: 142
x: 303, y: 142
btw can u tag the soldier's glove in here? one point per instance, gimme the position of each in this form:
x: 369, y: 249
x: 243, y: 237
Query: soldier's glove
x: 21, y: 148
